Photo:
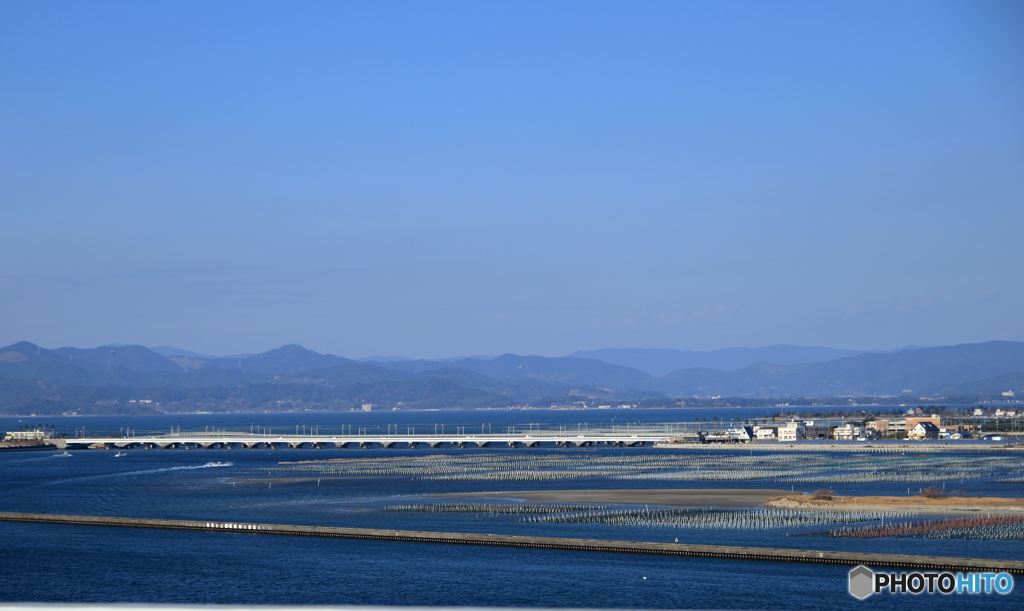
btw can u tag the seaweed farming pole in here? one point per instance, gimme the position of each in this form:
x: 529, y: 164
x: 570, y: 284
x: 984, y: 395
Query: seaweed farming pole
x: 556, y: 543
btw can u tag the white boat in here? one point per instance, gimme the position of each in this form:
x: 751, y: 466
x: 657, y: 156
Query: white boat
x: 119, y: 454
x: 64, y: 454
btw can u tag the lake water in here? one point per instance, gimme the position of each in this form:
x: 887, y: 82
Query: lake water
x: 83, y: 564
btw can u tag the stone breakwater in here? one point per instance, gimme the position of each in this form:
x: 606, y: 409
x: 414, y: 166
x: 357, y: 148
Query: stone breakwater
x: 900, y: 561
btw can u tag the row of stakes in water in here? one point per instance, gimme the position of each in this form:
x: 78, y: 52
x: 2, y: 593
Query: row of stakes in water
x: 549, y: 461
x: 735, y: 519
x: 499, y: 508
x: 567, y: 461
x: 986, y: 528
x: 530, y: 468
x: 689, y: 475
x: 689, y: 460
x: 990, y: 528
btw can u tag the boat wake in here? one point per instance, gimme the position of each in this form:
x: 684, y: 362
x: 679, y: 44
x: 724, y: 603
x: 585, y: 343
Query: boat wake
x: 209, y: 465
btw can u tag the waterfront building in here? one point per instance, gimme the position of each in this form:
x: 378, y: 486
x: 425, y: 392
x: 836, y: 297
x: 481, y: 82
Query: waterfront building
x: 34, y: 435
x: 848, y: 432
x: 816, y: 429
x: 923, y: 430
x: 792, y: 431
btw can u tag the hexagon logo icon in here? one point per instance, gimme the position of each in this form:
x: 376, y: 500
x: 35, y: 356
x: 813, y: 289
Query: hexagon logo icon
x: 862, y: 582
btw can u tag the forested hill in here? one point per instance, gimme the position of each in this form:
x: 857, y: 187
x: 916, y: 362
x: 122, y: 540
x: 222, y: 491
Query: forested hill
x: 35, y: 379
x: 114, y: 379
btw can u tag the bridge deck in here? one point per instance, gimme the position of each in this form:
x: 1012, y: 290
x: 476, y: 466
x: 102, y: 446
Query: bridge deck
x: 252, y: 440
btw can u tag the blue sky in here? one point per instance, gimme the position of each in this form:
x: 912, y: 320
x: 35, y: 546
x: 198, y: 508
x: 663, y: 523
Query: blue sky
x: 440, y: 178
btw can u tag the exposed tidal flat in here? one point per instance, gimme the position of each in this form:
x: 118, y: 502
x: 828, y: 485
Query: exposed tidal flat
x: 700, y: 495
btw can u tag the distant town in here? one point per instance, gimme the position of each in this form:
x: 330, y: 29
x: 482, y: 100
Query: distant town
x: 919, y: 423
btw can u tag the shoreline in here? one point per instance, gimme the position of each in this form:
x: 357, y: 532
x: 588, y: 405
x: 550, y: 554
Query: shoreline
x: 946, y: 506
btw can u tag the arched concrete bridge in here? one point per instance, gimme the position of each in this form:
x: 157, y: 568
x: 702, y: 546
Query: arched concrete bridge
x: 530, y: 439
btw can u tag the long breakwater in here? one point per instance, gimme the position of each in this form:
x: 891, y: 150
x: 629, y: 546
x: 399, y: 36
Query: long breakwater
x: 555, y: 543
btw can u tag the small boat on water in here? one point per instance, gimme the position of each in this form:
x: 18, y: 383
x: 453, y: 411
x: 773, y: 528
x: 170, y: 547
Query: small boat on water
x: 120, y: 454
x: 64, y: 454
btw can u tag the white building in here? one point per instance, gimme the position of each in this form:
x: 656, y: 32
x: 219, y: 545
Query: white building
x: 848, y: 432
x: 26, y: 436
x: 792, y: 432
x: 924, y: 430
x: 766, y: 433
x: 742, y: 434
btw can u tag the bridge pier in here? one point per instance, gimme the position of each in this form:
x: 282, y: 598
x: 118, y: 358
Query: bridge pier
x: 209, y: 441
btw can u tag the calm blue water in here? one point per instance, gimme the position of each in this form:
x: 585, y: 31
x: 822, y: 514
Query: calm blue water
x: 70, y: 563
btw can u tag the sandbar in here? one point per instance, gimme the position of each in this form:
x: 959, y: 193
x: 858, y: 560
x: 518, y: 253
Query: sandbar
x: 945, y: 506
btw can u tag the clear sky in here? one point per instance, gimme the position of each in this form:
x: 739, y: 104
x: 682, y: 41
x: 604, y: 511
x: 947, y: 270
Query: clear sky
x: 433, y: 179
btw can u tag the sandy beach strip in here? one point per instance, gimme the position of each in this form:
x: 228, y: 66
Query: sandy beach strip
x: 665, y: 498
x: 947, y: 506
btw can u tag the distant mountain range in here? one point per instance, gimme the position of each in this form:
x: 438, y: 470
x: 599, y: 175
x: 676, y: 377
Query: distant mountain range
x: 923, y: 371
x: 652, y: 361
x: 658, y: 362
x: 106, y: 379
